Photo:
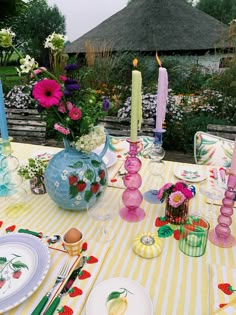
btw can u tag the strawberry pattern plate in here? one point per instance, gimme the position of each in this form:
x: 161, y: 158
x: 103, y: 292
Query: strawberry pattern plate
x: 24, y: 263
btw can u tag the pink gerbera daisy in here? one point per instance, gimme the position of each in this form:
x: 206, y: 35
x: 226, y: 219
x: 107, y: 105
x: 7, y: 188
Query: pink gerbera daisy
x: 47, y: 93
x: 75, y: 113
x: 176, y: 199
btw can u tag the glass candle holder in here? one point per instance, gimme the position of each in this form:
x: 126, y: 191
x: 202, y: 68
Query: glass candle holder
x: 221, y: 236
x: 132, y: 197
x: 193, y: 236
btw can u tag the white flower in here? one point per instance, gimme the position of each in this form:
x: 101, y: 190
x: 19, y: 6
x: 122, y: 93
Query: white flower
x: 91, y: 141
x: 6, y: 36
x: 55, y: 41
x: 27, y: 64
x: 56, y: 184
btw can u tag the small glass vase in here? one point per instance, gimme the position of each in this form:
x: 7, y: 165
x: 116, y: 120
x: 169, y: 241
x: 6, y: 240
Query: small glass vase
x: 177, y: 215
x: 37, y: 185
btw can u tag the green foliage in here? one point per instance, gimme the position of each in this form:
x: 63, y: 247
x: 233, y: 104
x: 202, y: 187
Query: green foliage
x: 187, y: 78
x: 37, y: 16
x: 225, y: 82
x: 222, y: 10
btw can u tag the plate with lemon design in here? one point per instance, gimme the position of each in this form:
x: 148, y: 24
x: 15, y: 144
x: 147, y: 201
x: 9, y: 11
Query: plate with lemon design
x: 119, y: 296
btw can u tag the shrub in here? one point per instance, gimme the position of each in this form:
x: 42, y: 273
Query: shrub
x: 20, y: 97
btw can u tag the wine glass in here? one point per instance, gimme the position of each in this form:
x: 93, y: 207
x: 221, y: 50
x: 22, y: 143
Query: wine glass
x: 103, y: 210
x: 214, y: 193
x: 156, y: 166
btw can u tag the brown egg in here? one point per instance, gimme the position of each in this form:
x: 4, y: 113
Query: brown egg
x: 72, y: 235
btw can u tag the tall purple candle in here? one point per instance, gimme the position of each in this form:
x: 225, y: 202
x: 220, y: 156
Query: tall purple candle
x: 162, y: 94
x: 3, y: 120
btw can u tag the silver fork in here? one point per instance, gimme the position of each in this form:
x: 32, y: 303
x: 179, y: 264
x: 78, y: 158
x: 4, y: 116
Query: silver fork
x: 60, y: 277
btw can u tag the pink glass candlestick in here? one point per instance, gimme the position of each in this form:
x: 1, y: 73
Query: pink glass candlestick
x: 221, y: 236
x: 132, y: 197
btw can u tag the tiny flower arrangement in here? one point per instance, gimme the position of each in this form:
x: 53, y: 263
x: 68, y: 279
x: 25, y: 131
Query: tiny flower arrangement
x: 71, y: 109
x: 35, y: 168
x: 177, y: 193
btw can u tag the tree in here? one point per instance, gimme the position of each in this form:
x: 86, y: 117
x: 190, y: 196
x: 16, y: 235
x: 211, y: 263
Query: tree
x: 222, y: 10
x: 7, y: 7
x: 34, y: 24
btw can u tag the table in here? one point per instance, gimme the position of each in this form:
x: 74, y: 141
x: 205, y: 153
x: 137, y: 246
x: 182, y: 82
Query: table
x: 176, y: 283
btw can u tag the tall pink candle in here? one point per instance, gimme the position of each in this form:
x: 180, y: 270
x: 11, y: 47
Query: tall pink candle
x: 233, y: 162
x: 162, y: 93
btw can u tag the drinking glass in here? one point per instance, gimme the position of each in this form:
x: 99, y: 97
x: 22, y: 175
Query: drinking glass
x: 214, y: 193
x: 157, y: 168
x: 104, y: 210
x: 193, y: 236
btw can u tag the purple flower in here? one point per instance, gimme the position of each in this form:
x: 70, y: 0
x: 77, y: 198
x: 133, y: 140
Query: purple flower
x: 73, y: 87
x: 71, y: 67
x: 106, y: 104
x: 67, y: 92
x: 70, y: 81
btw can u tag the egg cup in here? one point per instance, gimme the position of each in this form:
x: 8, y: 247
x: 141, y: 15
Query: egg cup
x: 74, y: 249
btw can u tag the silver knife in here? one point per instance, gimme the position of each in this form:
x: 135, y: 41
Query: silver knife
x: 66, y: 287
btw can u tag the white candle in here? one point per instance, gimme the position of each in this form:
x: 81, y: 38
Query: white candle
x: 233, y: 162
x: 3, y: 120
x: 162, y: 94
x: 136, y: 104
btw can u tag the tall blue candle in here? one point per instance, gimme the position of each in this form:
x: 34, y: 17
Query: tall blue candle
x: 3, y: 120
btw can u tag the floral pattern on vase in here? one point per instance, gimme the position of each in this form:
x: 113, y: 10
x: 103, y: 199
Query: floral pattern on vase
x: 75, y: 179
x: 177, y: 215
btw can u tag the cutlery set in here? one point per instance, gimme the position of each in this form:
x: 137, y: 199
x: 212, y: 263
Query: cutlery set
x: 62, y: 275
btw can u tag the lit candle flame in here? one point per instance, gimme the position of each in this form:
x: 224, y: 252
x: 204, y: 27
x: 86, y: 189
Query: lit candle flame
x: 158, y: 60
x: 135, y: 62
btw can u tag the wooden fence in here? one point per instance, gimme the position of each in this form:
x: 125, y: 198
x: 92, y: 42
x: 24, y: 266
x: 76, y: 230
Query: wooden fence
x: 26, y: 125
x: 121, y: 126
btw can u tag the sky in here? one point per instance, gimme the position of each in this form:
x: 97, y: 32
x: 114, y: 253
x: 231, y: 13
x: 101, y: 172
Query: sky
x: 83, y: 15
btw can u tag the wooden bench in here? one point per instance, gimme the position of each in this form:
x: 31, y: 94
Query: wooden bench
x: 121, y: 126
x: 223, y: 131
x: 26, y: 125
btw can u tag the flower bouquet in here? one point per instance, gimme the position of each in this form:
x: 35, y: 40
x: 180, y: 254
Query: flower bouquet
x: 70, y: 108
x: 34, y: 171
x: 75, y: 177
x: 177, y: 198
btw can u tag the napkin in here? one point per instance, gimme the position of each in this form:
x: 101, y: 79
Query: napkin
x: 95, y: 253
x: 222, y: 298
x: 116, y: 173
x: 120, y: 147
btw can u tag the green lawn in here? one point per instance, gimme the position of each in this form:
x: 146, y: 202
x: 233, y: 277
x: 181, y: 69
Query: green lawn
x: 10, y: 77
x: 8, y: 70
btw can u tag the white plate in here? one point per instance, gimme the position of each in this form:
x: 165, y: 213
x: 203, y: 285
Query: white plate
x: 109, y: 158
x: 28, y: 254
x: 190, y: 174
x: 139, y: 302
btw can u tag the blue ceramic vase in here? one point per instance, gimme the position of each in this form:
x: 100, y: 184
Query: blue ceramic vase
x: 74, y: 179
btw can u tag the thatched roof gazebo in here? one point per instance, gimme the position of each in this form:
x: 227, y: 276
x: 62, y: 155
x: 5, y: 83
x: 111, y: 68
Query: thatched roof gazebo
x: 165, y: 26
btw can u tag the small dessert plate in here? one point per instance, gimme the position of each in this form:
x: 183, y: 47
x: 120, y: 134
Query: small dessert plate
x: 122, y: 295
x: 190, y: 174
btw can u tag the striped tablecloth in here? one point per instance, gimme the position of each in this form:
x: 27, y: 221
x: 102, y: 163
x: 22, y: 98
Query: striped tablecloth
x: 176, y: 283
